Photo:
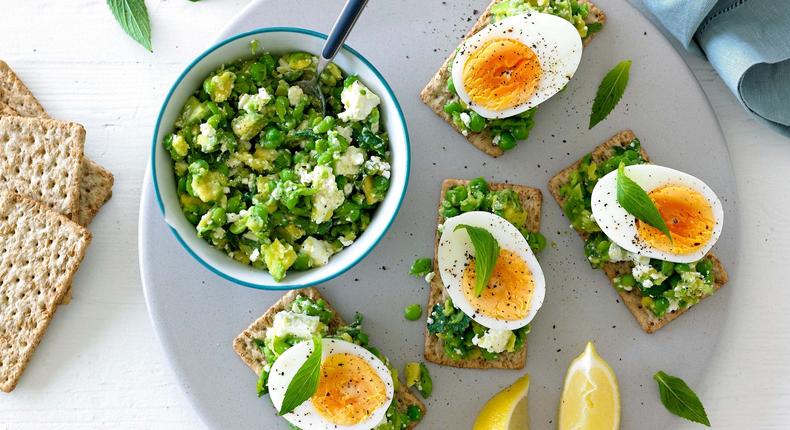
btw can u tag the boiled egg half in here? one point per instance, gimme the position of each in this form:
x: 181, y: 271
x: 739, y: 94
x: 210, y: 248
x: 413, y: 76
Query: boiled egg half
x: 517, y: 287
x: 354, y: 390
x: 690, y: 209
x: 515, y: 64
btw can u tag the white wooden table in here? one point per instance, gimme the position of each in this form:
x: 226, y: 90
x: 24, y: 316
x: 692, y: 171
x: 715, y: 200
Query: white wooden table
x: 100, y: 365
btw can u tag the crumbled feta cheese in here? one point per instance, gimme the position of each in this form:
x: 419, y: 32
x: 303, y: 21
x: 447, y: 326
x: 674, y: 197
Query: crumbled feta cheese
x: 375, y: 165
x: 254, y: 255
x: 346, y: 241
x: 348, y: 188
x: 327, y: 197
x: 429, y: 277
x: 318, y: 250
x: 349, y: 162
x: 493, y: 340
x: 440, y: 228
x: 345, y: 132
x: 254, y: 102
x: 359, y: 101
x: 304, y: 172
x: 287, y: 323
x: 295, y: 94
x: 496, y: 139
x: 466, y: 119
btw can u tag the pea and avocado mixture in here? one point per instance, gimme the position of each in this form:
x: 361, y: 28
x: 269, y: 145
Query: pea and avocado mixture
x: 464, y: 338
x: 264, y: 176
x: 308, y: 317
x: 507, y: 131
x: 664, y: 286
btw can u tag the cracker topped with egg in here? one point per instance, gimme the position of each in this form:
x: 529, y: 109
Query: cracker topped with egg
x: 357, y: 389
x: 486, y: 330
x: 519, y: 54
x: 658, y: 276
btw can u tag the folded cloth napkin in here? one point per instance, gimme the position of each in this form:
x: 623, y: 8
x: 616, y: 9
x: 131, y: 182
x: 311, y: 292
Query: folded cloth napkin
x: 746, y: 41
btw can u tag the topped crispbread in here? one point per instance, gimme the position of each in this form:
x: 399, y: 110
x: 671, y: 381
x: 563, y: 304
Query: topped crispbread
x: 41, y: 253
x: 245, y: 347
x: 632, y: 299
x: 42, y: 159
x: 436, y: 95
x: 531, y: 199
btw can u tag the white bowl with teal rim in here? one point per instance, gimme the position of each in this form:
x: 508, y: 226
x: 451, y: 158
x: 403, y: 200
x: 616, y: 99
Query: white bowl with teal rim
x: 277, y: 40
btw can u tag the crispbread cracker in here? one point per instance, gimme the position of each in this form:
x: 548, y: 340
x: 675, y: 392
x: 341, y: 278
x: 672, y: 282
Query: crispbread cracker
x: 96, y: 184
x: 42, y: 159
x: 531, y: 199
x: 251, y: 355
x: 632, y: 299
x: 95, y: 190
x: 41, y: 253
x: 15, y: 94
x: 436, y: 95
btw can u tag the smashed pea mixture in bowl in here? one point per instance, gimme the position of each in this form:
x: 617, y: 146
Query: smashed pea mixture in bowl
x: 267, y: 177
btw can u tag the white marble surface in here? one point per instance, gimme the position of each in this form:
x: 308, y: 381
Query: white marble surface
x: 100, y: 365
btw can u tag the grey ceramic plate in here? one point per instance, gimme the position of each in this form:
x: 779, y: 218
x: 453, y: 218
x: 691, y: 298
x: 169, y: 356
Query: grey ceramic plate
x: 196, y: 314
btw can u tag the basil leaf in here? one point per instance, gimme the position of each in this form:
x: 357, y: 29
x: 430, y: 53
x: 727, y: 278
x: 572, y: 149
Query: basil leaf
x: 610, y: 91
x: 421, y: 267
x: 636, y: 202
x: 133, y: 17
x: 305, y: 382
x: 486, y: 253
x: 679, y: 399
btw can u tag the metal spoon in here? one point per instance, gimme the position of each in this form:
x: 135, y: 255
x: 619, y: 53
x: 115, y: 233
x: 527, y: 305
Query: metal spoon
x: 345, y: 22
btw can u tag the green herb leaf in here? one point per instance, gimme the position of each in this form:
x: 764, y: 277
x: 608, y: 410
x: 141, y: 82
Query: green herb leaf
x: 305, y: 382
x: 421, y: 267
x: 486, y: 253
x: 610, y: 91
x: 679, y: 399
x: 636, y: 202
x: 133, y: 17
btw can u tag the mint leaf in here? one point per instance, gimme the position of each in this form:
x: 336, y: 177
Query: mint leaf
x: 305, y: 381
x: 486, y: 253
x: 636, y: 202
x: 133, y: 17
x: 421, y: 267
x: 679, y: 399
x: 610, y: 91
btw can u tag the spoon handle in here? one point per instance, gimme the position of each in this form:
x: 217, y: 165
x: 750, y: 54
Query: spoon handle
x: 346, y: 20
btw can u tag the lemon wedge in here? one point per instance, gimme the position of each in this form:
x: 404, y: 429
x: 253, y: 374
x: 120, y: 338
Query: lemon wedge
x: 507, y: 410
x: 591, y: 398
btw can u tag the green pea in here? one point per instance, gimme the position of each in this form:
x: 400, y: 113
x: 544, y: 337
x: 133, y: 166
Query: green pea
x: 412, y: 312
x: 660, y: 306
x: 682, y: 267
x: 325, y: 158
x: 414, y: 413
x: 321, y: 145
x: 507, y: 141
x: 273, y: 138
x: 302, y: 262
x: 667, y: 267
x: 519, y: 132
x: 450, y: 212
x: 627, y: 280
x: 258, y: 72
x: 451, y: 107
x: 476, y: 122
x: 325, y: 125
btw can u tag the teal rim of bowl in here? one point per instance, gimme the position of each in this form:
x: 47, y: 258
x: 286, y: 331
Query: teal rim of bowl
x: 154, y: 145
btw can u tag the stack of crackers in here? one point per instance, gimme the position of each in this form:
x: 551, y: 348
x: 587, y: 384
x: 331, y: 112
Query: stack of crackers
x: 49, y: 193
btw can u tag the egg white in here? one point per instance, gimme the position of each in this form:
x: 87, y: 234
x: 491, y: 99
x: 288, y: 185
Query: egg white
x: 306, y: 416
x: 555, y: 41
x: 455, y: 247
x: 620, y: 226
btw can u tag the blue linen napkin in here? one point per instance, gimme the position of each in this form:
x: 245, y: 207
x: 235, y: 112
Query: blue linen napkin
x: 746, y: 41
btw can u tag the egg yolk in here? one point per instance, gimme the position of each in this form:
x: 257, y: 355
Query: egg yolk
x: 509, y: 292
x: 688, y: 215
x: 349, y: 390
x: 501, y: 74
